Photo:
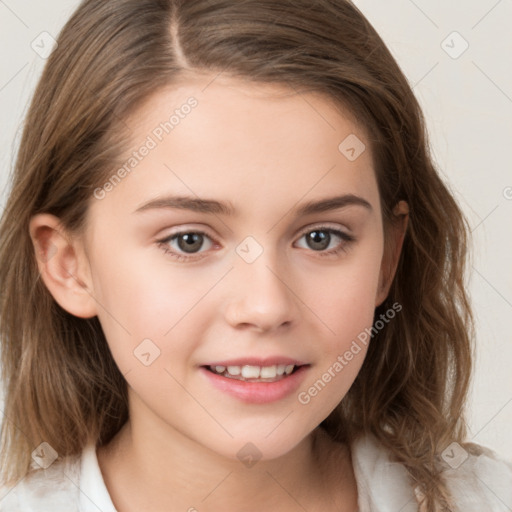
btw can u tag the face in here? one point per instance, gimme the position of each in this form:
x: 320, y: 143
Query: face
x: 244, y: 235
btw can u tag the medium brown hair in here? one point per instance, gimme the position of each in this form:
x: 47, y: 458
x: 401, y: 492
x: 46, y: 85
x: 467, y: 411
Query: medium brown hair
x: 61, y: 382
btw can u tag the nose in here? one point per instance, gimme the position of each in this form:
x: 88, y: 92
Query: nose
x: 261, y: 297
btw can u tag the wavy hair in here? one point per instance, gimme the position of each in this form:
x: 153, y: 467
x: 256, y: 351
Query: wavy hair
x: 61, y: 383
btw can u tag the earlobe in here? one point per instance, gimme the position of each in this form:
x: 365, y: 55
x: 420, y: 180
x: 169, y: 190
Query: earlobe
x: 63, y: 266
x: 392, y: 250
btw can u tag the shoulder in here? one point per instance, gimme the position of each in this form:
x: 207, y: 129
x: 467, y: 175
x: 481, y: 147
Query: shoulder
x: 54, y: 489
x: 476, y: 476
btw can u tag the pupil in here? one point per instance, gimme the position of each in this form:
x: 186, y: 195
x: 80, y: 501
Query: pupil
x: 190, y: 242
x: 319, y: 240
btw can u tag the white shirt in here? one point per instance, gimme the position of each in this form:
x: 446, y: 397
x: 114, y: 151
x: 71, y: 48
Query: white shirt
x: 75, y: 484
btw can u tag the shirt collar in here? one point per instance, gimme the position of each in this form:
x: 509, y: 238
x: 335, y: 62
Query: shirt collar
x: 94, y: 495
x: 382, y: 485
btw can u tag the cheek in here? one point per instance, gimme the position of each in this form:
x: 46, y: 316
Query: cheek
x: 140, y: 300
x: 343, y: 296
x: 142, y: 290
x: 344, y: 300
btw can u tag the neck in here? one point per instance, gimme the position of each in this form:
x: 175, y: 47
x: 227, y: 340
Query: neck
x: 166, y: 467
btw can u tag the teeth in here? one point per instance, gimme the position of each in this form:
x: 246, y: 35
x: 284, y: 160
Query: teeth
x: 250, y: 372
x: 268, y: 372
x: 234, y: 370
x: 254, y: 372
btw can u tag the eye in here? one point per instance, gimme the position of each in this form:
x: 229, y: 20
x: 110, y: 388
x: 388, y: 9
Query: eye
x: 322, y: 238
x: 179, y: 245
x: 186, y: 245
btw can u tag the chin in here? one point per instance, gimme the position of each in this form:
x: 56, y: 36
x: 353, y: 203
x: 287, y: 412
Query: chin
x: 253, y: 446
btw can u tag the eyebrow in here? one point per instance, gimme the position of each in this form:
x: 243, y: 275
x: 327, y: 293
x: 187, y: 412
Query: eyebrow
x: 220, y: 208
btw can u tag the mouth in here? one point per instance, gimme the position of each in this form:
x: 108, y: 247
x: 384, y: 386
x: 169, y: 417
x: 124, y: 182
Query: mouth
x: 255, y: 373
x: 256, y: 381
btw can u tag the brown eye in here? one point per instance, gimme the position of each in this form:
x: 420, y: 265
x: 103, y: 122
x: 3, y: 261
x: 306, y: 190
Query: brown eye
x: 190, y: 242
x: 179, y: 245
x: 318, y: 240
x: 326, y: 240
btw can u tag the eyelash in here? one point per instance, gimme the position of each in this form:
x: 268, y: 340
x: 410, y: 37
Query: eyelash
x: 348, y: 239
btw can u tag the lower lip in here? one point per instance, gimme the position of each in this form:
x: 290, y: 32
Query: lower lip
x: 258, y: 392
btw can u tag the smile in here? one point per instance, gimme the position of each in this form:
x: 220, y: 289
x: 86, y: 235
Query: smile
x: 251, y: 383
x: 251, y: 373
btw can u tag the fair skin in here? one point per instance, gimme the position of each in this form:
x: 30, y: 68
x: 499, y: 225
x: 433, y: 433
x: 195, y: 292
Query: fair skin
x: 266, y: 151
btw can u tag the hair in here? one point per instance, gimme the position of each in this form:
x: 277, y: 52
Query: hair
x: 61, y: 382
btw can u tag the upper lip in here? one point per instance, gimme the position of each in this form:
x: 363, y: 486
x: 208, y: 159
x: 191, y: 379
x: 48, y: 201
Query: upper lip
x: 258, y: 361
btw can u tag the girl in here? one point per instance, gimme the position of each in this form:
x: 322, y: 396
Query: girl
x: 231, y: 277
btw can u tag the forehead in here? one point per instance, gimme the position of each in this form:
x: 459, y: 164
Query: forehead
x: 238, y: 105
x: 242, y: 142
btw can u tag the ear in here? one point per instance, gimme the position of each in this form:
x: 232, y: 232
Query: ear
x: 392, y: 250
x: 63, y: 265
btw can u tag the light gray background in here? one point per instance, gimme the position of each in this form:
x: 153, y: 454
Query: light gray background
x: 467, y: 103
